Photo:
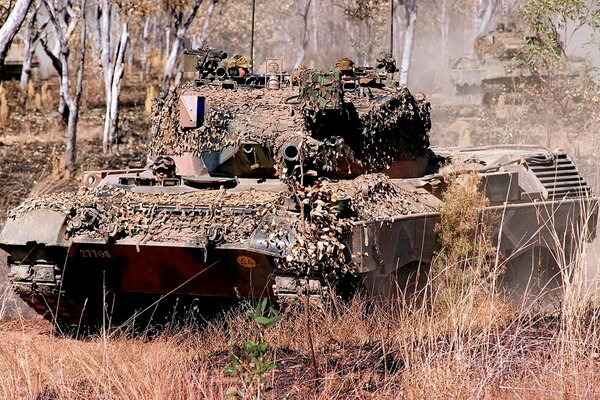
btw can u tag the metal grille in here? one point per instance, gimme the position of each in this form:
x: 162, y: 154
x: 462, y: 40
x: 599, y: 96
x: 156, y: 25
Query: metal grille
x: 558, y: 175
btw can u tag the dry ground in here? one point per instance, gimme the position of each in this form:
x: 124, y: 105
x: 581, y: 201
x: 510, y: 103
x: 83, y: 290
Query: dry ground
x: 358, y: 353
x: 471, y: 347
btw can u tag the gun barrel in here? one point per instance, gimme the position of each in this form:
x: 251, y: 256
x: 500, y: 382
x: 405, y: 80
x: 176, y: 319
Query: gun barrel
x: 221, y: 72
x: 290, y: 152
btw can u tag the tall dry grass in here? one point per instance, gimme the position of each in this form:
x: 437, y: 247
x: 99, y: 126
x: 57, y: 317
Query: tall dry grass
x: 460, y: 340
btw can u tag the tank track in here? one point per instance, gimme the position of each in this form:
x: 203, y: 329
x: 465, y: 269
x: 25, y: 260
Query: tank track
x: 39, y: 286
x: 290, y: 289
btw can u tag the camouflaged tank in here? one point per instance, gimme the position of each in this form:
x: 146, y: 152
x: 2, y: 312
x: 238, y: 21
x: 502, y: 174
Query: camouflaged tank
x: 497, y: 66
x: 285, y: 186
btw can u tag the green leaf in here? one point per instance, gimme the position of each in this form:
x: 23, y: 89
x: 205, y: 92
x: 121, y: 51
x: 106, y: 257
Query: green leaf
x: 270, y: 366
x: 250, y: 346
x: 267, y: 322
x: 263, y: 347
x: 260, y: 307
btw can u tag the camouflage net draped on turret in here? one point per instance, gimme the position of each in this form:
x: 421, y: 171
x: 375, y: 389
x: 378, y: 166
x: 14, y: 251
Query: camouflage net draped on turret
x: 393, y: 127
x: 362, y: 131
x: 232, y: 116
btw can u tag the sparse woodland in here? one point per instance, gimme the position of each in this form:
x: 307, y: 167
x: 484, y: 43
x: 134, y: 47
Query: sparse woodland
x: 90, y: 71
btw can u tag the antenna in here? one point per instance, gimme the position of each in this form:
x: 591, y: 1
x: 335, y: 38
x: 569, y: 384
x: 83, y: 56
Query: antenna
x: 391, y: 28
x: 252, y: 34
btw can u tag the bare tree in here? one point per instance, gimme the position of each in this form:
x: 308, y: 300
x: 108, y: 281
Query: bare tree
x: 483, y: 16
x: 113, y: 64
x: 207, y: 18
x: 149, y: 23
x: 67, y: 19
x: 410, y: 6
x: 72, y: 101
x: 10, y: 28
x: 183, y: 16
x: 303, y: 11
x: 198, y: 39
x: 30, y: 38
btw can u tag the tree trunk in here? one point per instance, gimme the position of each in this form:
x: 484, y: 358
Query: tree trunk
x: 69, y: 20
x: 445, y: 27
x: 304, y: 44
x: 145, y: 67
x: 409, y: 36
x: 172, y: 60
x: 113, y: 65
x: 107, y: 67
x: 316, y: 6
x: 29, y: 38
x: 181, y: 28
x: 10, y: 28
x: 72, y: 102
x: 74, y: 115
x: 485, y: 11
x: 206, y: 25
x: 119, y: 69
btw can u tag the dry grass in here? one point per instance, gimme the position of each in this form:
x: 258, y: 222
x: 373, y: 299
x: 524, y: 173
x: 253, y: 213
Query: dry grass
x: 360, y: 352
x: 463, y: 342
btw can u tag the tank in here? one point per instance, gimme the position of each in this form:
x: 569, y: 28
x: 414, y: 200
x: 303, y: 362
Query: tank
x: 496, y: 66
x: 13, y: 63
x: 286, y: 185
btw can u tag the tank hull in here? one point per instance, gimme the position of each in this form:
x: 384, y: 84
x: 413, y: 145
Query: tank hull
x: 393, y: 255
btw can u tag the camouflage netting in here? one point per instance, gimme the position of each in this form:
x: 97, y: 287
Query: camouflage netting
x: 367, y: 132
x: 117, y: 213
x: 333, y: 209
x: 232, y: 116
x: 394, y: 127
x: 330, y: 209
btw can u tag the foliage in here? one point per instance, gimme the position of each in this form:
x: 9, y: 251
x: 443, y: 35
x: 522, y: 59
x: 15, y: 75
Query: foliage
x: 250, y: 360
x: 546, y: 19
x: 361, y: 10
x: 461, y: 216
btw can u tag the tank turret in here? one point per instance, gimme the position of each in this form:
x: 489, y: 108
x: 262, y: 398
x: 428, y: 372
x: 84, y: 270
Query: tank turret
x: 340, y: 127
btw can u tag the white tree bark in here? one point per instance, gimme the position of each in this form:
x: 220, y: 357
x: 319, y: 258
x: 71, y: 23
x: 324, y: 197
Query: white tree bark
x: 409, y: 36
x: 316, y: 6
x: 71, y: 155
x: 28, y: 48
x: 113, y: 66
x: 303, y: 13
x: 145, y: 47
x: 10, y: 28
x: 107, y: 68
x: 117, y: 78
x: 445, y: 28
x: 29, y: 39
x: 485, y: 10
x: 72, y: 102
x: 206, y: 26
x: 183, y: 20
x: 67, y: 20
